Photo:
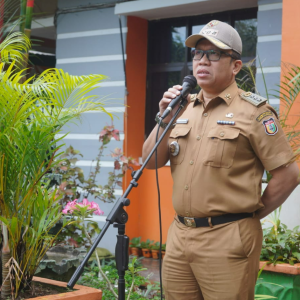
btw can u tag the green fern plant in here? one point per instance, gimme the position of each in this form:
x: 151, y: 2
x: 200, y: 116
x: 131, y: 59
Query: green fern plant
x: 32, y: 115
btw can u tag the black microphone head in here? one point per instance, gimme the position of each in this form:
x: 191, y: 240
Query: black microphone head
x: 191, y: 80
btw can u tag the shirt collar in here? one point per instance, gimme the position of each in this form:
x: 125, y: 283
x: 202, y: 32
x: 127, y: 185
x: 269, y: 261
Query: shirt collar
x: 227, y: 95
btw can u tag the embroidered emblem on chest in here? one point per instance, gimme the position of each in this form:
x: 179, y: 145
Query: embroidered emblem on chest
x: 263, y: 115
x: 174, y: 148
x: 270, y: 126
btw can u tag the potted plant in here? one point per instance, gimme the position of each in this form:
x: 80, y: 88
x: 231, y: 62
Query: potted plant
x: 146, y: 248
x: 163, y: 250
x: 155, y: 250
x: 280, y: 260
x: 32, y: 114
x: 135, y: 245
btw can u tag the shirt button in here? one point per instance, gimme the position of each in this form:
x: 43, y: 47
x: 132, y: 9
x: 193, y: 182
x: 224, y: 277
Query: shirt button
x: 176, y: 132
x: 222, y: 134
x: 205, y: 114
x: 187, y: 213
x: 186, y: 187
x: 191, y: 162
x: 198, y: 137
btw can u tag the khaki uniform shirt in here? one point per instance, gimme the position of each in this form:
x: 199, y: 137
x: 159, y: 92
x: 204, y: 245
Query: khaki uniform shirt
x: 219, y: 168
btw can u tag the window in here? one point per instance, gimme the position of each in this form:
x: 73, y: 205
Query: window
x: 169, y: 60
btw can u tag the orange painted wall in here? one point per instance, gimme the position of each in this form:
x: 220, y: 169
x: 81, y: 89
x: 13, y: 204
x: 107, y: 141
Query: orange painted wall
x: 291, y: 45
x: 143, y: 210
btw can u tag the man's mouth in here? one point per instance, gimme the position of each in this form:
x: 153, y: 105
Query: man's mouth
x: 202, y: 71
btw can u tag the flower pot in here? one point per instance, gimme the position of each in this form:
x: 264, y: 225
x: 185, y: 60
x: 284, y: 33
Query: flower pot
x: 81, y: 292
x: 135, y: 251
x: 163, y: 253
x: 155, y: 254
x: 146, y: 253
x: 284, y: 279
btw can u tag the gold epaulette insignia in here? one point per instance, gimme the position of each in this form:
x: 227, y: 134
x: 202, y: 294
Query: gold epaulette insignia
x: 193, y: 97
x: 254, y: 99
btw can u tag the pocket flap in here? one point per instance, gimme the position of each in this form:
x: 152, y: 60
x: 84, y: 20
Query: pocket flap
x: 180, y: 131
x: 224, y: 133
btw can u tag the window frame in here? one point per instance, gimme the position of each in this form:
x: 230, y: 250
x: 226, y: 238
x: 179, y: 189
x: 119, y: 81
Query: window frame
x: 184, y: 67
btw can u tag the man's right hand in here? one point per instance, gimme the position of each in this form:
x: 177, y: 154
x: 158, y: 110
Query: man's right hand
x: 168, y: 96
x: 163, y: 148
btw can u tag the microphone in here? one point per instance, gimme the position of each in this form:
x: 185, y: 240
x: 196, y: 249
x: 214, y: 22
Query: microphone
x: 189, y: 83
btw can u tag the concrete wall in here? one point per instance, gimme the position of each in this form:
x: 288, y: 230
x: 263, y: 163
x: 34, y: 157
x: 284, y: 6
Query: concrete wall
x: 88, y: 42
x: 290, y: 210
x: 269, y: 24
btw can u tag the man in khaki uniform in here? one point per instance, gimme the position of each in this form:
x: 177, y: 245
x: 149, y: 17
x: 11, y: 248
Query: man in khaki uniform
x: 218, y: 150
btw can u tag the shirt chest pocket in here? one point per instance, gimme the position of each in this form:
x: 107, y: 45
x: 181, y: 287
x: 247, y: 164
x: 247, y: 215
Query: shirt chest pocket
x: 177, y: 142
x: 221, y: 147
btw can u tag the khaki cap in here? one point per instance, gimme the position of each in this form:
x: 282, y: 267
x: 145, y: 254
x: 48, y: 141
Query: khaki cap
x: 220, y: 34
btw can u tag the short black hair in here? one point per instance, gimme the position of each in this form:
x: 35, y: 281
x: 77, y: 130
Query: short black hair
x: 236, y: 55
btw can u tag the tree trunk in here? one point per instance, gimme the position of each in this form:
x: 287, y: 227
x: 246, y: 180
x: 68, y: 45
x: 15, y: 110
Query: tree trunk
x: 6, y: 286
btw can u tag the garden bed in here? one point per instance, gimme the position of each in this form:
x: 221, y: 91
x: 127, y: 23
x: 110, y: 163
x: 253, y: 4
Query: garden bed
x: 47, y: 289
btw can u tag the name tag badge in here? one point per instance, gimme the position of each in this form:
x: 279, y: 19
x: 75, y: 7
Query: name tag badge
x: 182, y: 121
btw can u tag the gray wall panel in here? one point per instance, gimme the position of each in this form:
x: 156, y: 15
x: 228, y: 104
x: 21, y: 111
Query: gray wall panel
x: 269, y: 53
x: 93, y: 123
x: 72, y: 3
x: 90, y: 148
x: 262, y: 2
x: 88, y: 20
x: 109, y: 240
x: 101, y: 178
x: 112, y: 69
x: 90, y: 46
x: 272, y: 80
x: 269, y: 22
x: 112, y: 95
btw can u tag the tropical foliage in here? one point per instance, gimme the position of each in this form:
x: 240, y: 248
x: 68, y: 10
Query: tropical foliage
x: 136, y: 286
x: 32, y: 115
x: 280, y: 244
x: 288, y: 93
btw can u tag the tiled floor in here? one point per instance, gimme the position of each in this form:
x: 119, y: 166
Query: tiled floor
x: 152, y: 266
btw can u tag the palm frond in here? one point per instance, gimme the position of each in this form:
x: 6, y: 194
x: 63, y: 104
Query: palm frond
x: 14, y: 46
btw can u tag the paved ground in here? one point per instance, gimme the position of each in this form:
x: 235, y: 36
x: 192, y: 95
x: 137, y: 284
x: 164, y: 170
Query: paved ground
x: 152, y: 266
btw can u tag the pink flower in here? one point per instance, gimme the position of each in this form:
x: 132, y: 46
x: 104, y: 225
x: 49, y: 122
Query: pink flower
x: 97, y: 211
x: 93, y: 207
x: 70, y: 207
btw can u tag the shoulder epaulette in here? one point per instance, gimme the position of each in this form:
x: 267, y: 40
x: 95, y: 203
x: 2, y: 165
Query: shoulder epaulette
x: 254, y: 99
x: 193, y: 97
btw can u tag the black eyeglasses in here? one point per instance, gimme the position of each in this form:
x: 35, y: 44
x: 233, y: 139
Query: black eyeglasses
x: 212, y: 55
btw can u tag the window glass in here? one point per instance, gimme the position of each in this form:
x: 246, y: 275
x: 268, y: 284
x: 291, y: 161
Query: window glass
x: 248, y: 32
x: 160, y: 82
x: 178, y: 45
x: 197, y: 28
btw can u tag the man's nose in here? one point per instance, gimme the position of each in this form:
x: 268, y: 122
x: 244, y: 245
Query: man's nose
x: 204, y: 60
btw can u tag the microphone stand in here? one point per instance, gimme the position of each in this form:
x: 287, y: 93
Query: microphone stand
x: 118, y: 217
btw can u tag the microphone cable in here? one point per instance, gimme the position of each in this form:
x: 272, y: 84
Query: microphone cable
x: 159, y: 213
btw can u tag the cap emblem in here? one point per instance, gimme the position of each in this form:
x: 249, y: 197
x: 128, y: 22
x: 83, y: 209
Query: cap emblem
x: 212, y: 23
x: 212, y: 32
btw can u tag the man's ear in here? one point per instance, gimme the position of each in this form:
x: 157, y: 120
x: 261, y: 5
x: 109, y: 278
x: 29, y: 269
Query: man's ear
x: 237, y: 66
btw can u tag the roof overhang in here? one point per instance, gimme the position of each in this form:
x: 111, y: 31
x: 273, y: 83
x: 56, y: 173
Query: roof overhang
x: 162, y: 9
